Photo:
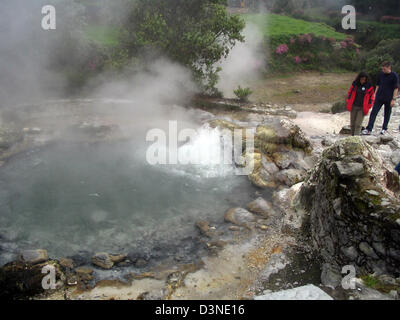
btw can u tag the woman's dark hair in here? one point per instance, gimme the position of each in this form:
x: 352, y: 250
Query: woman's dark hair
x: 362, y: 75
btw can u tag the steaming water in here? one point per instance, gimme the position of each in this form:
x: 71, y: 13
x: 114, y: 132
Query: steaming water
x: 69, y: 198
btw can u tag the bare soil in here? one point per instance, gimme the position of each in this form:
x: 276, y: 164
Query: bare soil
x: 308, y: 91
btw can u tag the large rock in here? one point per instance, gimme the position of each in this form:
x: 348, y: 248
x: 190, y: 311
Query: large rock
x: 20, y: 280
x: 309, y: 292
x: 353, y: 202
x: 34, y: 256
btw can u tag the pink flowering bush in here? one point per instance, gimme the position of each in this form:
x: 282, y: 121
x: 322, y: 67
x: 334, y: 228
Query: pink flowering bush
x: 311, y: 52
x: 282, y: 49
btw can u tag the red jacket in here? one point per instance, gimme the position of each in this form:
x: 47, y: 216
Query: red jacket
x: 369, y: 98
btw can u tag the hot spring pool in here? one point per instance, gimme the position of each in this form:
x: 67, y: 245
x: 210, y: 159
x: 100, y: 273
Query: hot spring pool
x: 69, y: 198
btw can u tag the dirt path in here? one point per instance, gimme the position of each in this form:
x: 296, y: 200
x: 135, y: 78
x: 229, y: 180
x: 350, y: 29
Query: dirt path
x: 308, y: 91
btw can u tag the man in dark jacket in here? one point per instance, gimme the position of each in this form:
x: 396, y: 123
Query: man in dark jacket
x: 386, y: 91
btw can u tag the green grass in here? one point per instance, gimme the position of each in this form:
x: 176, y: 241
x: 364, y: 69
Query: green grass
x: 375, y: 283
x: 103, y: 35
x: 274, y: 25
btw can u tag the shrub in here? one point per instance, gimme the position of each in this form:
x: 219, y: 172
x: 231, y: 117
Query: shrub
x: 387, y: 50
x: 243, y: 93
x: 338, y: 107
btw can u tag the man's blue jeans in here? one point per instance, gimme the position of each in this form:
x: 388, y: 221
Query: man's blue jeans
x: 375, y: 110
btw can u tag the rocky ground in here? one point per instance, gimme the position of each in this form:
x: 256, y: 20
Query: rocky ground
x: 320, y: 182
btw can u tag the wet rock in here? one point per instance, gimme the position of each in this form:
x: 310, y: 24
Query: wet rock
x: 102, y: 260
x: 216, y: 244
x: 118, y: 258
x: 84, y: 273
x: 34, y: 256
x: 66, y: 263
x: 331, y: 276
x: 223, y: 124
x: 204, y: 228
x: 140, y: 263
x: 20, y: 280
x: 261, y: 207
x: 239, y: 216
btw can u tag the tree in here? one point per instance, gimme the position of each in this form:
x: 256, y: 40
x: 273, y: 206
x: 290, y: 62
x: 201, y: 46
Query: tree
x: 195, y: 33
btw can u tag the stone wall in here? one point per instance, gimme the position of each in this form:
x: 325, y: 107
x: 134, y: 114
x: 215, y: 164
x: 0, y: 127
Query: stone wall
x: 354, y: 208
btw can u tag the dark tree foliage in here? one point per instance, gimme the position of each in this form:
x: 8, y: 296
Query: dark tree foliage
x: 195, y: 33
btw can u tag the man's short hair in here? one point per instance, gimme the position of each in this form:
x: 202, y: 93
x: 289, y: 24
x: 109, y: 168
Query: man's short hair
x: 386, y: 64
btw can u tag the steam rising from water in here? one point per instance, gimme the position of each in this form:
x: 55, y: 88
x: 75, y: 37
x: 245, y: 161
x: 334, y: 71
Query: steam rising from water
x: 244, y: 63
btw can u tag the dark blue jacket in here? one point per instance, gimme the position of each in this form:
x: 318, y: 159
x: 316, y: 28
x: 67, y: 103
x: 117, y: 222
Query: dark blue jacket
x: 387, y: 84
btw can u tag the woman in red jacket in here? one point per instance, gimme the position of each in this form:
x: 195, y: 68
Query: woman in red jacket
x: 360, y: 100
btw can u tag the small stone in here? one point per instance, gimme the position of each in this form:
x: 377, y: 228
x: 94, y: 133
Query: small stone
x: 84, y: 274
x: 66, y: 263
x: 140, y: 263
x: 84, y: 270
x: 234, y: 228
x: 216, y: 244
x: 34, y: 256
x: 117, y: 258
x: 102, y: 260
x: 204, y: 228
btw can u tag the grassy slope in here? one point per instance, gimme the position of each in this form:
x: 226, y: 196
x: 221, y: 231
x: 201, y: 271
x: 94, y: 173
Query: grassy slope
x: 275, y: 25
x: 103, y: 35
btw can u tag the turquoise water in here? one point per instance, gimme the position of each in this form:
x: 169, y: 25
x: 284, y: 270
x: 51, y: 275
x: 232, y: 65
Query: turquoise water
x: 74, y: 197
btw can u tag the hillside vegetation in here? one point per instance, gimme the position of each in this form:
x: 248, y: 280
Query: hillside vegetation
x: 280, y: 28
